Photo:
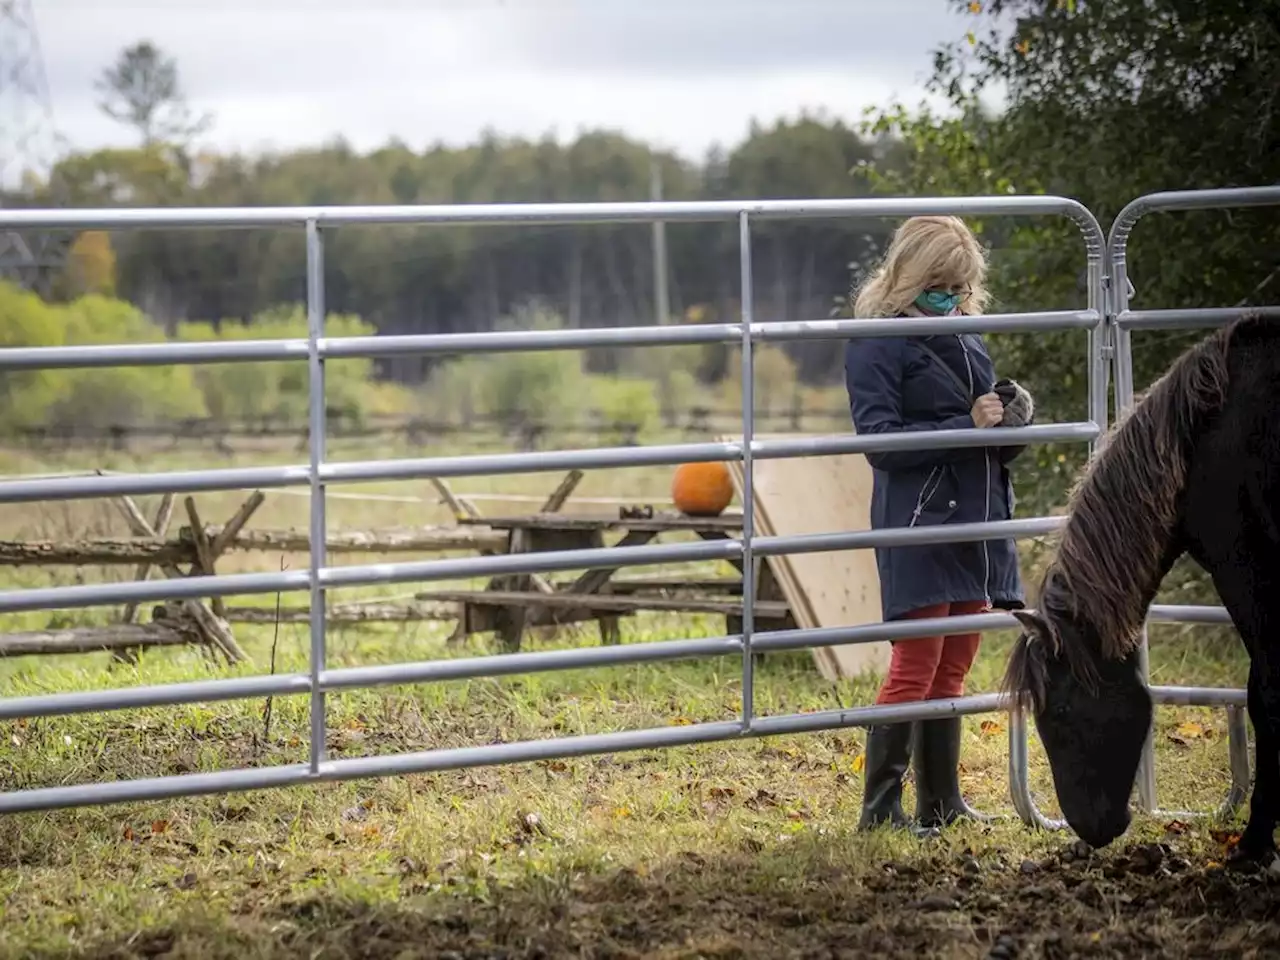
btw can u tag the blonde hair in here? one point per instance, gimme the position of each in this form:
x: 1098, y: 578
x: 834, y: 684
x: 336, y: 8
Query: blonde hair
x: 925, y: 253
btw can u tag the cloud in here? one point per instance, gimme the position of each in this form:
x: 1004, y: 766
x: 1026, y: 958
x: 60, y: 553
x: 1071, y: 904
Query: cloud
x: 681, y: 73
x: 729, y: 37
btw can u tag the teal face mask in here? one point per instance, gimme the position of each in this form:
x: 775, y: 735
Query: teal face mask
x: 938, y: 301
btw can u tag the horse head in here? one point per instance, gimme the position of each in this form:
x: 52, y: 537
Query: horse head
x: 1092, y: 713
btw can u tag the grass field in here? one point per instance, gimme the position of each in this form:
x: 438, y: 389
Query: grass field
x: 743, y: 849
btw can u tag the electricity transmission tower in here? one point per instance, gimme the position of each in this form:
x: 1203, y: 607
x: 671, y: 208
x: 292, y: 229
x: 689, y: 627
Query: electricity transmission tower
x: 28, y: 142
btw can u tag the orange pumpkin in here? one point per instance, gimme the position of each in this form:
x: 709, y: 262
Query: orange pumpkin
x: 701, y: 489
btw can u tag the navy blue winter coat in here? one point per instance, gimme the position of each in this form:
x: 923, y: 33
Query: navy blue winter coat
x: 895, y: 385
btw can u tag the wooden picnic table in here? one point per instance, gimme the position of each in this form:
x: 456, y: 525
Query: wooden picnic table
x: 510, y: 604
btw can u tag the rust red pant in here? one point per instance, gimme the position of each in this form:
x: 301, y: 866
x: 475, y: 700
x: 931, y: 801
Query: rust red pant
x: 932, y: 668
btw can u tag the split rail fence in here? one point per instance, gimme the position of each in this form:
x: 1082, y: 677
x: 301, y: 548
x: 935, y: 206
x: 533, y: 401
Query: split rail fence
x: 1106, y: 320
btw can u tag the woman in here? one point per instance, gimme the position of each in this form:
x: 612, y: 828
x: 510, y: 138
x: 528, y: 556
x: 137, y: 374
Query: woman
x: 934, y: 266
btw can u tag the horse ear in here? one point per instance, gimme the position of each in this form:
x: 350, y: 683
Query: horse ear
x: 1033, y: 623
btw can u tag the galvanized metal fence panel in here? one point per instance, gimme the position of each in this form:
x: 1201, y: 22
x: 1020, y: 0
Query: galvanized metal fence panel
x: 318, y: 473
x: 1122, y: 322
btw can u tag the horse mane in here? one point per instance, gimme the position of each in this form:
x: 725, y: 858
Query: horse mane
x: 1122, y: 517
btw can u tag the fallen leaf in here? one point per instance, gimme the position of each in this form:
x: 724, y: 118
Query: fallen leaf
x: 128, y: 833
x: 763, y: 798
x: 1176, y: 827
x: 159, y: 826
x: 1227, y: 838
x: 721, y: 793
x: 620, y: 812
x: 989, y: 728
x: 859, y: 763
x: 971, y: 38
x: 682, y: 722
x: 975, y: 7
x: 1190, y: 730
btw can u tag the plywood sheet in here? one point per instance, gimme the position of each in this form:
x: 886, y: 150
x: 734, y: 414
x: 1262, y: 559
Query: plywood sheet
x: 824, y: 494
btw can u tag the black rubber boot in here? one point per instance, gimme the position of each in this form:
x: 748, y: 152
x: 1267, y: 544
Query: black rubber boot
x: 888, y: 754
x: 936, y: 764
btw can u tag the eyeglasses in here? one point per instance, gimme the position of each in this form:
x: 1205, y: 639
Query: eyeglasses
x: 962, y: 295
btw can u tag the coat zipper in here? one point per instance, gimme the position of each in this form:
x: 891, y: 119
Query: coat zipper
x: 986, y: 488
x: 926, y: 494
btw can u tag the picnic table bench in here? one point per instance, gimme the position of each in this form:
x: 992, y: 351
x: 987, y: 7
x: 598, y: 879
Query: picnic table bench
x: 512, y: 603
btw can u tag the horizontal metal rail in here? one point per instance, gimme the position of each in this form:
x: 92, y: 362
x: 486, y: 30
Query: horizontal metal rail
x: 514, y: 341
x: 510, y: 664
x: 496, y: 214
x: 477, y: 465
x: 1189, y: 319
x: 461, y: 568
x: 1184, y: 200
x: 474, y: 668
x: 1188, y: 613
x: 434, y: 761
x: 604, y: 457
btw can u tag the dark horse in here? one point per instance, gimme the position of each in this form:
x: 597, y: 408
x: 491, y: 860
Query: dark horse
x: 1194, y: 468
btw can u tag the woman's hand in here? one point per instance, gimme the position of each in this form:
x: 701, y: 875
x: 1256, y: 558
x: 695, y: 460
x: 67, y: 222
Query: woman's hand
x: 987, y: 410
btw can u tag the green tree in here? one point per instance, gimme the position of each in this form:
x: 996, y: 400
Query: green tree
x: 279, y: 390
x: 27, y: 321
x: 111, y: 397
x: 142, y: 89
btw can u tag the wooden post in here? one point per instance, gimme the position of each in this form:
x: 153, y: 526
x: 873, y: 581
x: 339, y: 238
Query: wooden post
x: 204, y: 554
x: 215, y: 629
x: 460, y: 508
x: 129, y: 655
x: 562, y: 492
x: 223, y: 538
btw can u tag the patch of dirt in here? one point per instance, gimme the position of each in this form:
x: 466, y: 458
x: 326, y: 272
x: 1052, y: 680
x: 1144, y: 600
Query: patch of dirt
x: 1141, y: 900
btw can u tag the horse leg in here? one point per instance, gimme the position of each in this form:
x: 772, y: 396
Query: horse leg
x: 1246, y: 590
x: 1258, y: 842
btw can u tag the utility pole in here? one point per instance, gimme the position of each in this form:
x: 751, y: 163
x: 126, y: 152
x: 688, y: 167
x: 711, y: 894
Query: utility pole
x: 28, y: 141
x: 661, y: 300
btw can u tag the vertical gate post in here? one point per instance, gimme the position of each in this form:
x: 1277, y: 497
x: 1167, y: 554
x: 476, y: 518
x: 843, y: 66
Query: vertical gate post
x: 748, y: 478
x: 319, y: 527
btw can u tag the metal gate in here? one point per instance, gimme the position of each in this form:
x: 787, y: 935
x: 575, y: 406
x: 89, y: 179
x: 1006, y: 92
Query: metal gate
x: 319, y: 473
x: 1122, y: 322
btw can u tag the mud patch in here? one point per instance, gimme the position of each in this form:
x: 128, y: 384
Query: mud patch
x: 1146, y: 900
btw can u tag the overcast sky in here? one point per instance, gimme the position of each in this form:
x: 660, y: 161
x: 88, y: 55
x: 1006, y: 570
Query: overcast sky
x: 682, y: 74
